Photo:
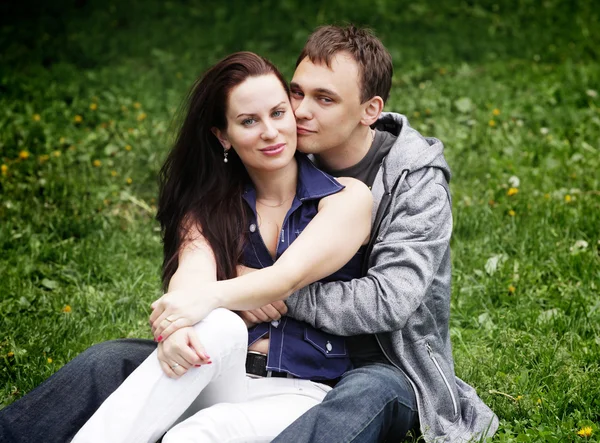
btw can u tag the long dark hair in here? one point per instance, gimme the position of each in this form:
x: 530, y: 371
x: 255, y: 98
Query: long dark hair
x: 196, y: 187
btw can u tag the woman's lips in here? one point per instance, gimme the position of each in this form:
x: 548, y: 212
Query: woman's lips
x: 274, y: 149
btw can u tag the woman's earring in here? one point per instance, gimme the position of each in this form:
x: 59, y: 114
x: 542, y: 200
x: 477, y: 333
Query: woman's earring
x: 225, y: 153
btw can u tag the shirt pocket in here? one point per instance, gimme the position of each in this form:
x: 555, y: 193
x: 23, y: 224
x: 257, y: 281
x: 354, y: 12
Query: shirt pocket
x: 331, y: 346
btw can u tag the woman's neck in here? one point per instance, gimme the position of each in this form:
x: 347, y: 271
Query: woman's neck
x: 275, y: 187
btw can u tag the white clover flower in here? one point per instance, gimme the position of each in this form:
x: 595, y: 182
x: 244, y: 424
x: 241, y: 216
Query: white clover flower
x: 514, y: 181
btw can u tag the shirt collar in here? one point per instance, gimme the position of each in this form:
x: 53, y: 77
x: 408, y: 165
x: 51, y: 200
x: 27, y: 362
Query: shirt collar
x: 312, y: 183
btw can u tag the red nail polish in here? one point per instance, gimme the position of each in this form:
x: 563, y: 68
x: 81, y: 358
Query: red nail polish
x: 209, y: 363
x: 197, y: 366
x: 159, y: 339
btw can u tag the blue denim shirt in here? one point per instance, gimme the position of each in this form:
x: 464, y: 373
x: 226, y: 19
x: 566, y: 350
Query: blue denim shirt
x: 296, y: 347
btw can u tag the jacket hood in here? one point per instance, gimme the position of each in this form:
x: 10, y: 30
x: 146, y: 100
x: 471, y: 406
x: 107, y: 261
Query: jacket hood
x: 411, y: 151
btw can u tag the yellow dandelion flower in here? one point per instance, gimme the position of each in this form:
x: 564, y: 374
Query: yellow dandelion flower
x: 129, y: 180
x: 568, y: 198
x: 417, y: 114
x: 24, y: 155
x: 97, y: 163
x: 492, y: 123
x: 427, y: 111
x: 512, y: 191
x: 56, y: 154
x: 539, y: 401
x: 10, y: 354
x: 49, y: 360
x: 44, y: 158
x: 546, y: 196
x: 142, y: 117
x: 128, y: 147
x: 4, y: 169
x: 586, y: 432
x: 512, y: 290
x: 78, y: 118
x: 492, y: 203
x: 518, y: 397
x: 66, y: 309
x: 496, y: 112
x: 93, y: 106
x: 37, y: 117
x: 137, y: 105
x: 114, y: 173
x: 442, y: 71
x: 61, y: 140
x: 512, y: 213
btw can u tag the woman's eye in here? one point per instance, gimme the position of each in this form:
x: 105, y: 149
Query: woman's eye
x: 278, y: 113
x: 248, y: 121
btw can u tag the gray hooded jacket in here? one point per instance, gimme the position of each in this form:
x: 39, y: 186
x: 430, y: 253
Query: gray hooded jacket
x: 404, y: 297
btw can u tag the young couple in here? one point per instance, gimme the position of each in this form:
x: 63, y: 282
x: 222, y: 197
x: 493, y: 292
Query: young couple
x: 360, y: 351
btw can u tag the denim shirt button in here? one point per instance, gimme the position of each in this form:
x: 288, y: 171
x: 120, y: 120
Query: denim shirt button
x: 252, y: 227
x: 275, y: 323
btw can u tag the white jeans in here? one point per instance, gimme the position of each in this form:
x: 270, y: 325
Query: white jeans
x: 232, y: 407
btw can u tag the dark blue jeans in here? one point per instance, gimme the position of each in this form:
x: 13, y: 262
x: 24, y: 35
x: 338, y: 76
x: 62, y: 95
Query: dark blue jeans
x: 55, y: 410
x: 369, y: 404
x: 372, y: 403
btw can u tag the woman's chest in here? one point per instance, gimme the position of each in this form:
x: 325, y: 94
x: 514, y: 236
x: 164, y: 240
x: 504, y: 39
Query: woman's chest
x: 271, y: 232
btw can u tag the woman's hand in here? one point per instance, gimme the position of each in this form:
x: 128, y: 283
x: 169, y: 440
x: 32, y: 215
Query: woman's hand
x: 177, y: 309
x: 181, y: 351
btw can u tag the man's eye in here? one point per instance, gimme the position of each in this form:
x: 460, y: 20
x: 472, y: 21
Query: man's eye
x: 326, y: 100
x: 297, y: 93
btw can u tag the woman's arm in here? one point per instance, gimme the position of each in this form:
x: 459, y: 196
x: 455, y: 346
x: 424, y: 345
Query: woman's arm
x: 330, y: 240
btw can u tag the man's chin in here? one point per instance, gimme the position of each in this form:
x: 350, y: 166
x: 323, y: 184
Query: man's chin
x: 308, y: 148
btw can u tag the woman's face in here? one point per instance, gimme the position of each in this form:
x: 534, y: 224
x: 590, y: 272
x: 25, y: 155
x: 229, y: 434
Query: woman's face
x: 261, y: 127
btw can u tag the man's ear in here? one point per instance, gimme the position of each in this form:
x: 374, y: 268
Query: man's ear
x: 372, y: 110
x: 222, y: 137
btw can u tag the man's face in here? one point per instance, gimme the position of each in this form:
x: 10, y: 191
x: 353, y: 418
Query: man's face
x: 326, y: 102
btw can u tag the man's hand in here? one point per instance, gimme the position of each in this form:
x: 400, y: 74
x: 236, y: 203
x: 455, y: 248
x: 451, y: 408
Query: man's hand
x: 181, y: 351
x: 267, y: 313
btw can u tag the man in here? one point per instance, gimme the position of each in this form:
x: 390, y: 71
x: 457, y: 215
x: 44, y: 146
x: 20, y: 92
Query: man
x: 397, y: 314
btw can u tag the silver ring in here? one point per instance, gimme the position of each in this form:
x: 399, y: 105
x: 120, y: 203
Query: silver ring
x: 175, y: 366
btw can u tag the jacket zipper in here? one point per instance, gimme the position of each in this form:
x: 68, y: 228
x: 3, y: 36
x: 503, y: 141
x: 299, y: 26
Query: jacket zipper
x: 437, y: 365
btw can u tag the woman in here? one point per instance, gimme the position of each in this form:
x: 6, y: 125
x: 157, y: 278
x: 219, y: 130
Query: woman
x: 234, y: 191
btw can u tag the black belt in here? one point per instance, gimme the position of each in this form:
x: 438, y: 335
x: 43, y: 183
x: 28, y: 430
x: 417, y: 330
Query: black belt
x: 256, y: 366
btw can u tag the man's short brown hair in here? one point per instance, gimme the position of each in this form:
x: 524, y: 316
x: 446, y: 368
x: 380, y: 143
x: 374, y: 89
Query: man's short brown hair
x: 374, y: 61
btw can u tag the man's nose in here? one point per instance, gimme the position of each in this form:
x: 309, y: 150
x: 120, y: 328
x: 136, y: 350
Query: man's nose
x: 302, y: 111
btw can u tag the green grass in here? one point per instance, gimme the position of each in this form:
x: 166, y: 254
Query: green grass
x: 511, y: 87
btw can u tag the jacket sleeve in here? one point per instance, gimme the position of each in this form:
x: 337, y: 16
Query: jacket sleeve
x: 412, y: 243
